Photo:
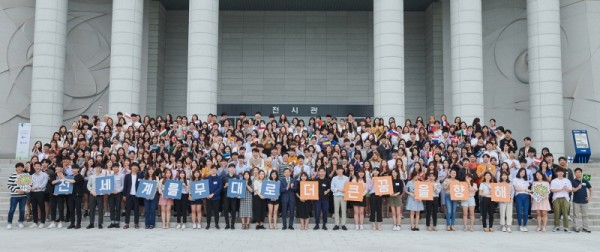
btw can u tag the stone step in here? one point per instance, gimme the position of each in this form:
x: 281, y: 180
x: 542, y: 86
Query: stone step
x: 387, y: 223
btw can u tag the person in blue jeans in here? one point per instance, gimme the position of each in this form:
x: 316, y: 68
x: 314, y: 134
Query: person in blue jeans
x: 522, y: 198
x: 450, y: 204
x: 322, y: 205
x: 151, y: 203
x: 17, y: 196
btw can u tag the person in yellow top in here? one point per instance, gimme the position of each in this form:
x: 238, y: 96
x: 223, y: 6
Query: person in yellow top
x: 205, y: 171
x: 484, y: 167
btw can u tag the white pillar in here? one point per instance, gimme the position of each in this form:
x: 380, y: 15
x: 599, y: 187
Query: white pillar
x: 388, y: 42
x: 466, y: 59
x: 545, y: 75
x: 203, y: 57
x: 126, y: 56
x: 47, y: 79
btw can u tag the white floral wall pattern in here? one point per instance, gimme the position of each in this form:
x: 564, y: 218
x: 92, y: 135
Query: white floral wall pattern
x: 86, y: 68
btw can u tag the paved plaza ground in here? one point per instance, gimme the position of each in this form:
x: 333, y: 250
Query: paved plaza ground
x: 287, y: 241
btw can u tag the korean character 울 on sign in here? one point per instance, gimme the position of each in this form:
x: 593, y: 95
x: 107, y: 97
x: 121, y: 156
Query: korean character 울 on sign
x: 423, y: 190
x: 383, y: 185
x: 501, y: 192
x: 354, y: 191
x: 459, y: 191
x: 309, y: 190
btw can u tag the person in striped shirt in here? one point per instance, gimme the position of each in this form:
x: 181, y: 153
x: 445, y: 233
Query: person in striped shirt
x: 17, y: 196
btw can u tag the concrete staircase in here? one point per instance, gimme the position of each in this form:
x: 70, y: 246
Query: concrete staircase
x: 7, y: 168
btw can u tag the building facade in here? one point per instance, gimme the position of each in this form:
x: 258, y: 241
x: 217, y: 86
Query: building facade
x: 527, y: 63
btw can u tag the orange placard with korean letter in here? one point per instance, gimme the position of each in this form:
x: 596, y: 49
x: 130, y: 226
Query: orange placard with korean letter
x: 500, y: 192
x: 459, y: 191
x: 354, y: 191
x: 309, y: 190
x: 383, y: 185
x: 423, y: 190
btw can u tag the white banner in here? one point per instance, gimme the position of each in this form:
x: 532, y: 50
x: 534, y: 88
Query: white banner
x: 23, y: 136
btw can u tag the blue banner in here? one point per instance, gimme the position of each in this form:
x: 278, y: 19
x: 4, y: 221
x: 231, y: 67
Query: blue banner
x: 146, y: 189
x: 199, y: 189
x: 173, y: 189
x: 270, y: 189
x: 236, y: 188
x: 63, y: 187
x: 105, y: 185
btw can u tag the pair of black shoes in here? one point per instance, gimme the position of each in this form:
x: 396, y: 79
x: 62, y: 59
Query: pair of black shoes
x: 336, y: 227
x: 230, y: 227
x: 92, y: 226
x: 259, y: 227
x: 114, y: 226
x: 74, y: 227
x: 216, y: 226
x: 317, y: 227
x: 290, y: 228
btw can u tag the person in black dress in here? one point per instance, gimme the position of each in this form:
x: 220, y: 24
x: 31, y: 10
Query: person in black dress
x: 303, y: 206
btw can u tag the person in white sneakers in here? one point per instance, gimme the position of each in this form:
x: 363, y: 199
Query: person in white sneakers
x: 17, y: 196
x: 561, y: 187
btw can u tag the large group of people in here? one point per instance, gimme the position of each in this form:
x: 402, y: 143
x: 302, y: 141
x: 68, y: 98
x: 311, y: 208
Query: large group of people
x: 332, y: 151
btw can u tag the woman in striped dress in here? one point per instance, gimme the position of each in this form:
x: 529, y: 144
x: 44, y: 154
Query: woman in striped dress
x: 246, y: 202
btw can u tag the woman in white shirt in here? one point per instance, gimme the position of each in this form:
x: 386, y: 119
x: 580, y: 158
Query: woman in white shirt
x: 522, y: 198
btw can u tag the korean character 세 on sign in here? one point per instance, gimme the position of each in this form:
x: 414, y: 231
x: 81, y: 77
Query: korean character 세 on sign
x: 105, y: 185
x: 500, y: 192
x: 459, y: 191
x: 309, y: 190
x: 354, y: 191
x: 383, y: 185
x: 423, y: 190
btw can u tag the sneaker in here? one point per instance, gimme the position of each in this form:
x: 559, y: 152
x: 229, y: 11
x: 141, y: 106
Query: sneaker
x: 90, y: 226
x: 21, y: 225
x: 316, y: 227
x: 508, y: 230
x: 587, y: 230
x: 34, y: 225
x: 362, y: 227
x: 356, y: 227
x: 344, y: 227
x: 41, y: 226
x: 324, y: 227
x: 51, y: 226
x: 194, y: 226
x: 567, y: 230
x: 178, y: 226
x: 182, y: 226
x: 556, y: 229
x: 71, y: 227
x: 525, y: 229
x: 9, y: 226
x: 59, y: 225
x: 577, y: 230
x: 336, y: 227
x: 503, y: 228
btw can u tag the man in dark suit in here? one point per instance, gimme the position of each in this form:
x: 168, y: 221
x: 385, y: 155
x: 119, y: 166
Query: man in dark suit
x: 130, y: 185
x: 288, y: 199
x: 524, y: 150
